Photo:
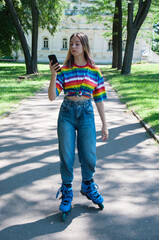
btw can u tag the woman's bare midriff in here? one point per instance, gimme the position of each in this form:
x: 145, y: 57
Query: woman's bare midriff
x: 75, y: 98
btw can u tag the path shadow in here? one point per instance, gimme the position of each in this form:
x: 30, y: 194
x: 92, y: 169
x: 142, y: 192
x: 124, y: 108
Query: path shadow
x: 116, y: 144
x: 48, y: 225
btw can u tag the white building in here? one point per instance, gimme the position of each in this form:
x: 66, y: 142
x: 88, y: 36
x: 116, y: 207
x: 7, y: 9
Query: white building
x: 101, y: 47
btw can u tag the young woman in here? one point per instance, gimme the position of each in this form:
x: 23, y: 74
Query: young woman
x: 79, y: 78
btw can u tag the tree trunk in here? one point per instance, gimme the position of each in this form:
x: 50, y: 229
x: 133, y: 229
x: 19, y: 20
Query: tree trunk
x: 21, y: 35
x: 35, y: 20
x: 132, y: 30
x: 115, y: 38
x: 117, y: 35
x: 126, y: 68
x: 119, y: 4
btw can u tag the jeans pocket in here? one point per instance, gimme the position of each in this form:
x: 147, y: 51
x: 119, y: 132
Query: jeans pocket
x: 65, y: 107
x: 89, y: 109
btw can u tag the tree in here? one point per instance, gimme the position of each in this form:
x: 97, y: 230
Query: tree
x: 133, y: 26
x: 119, y: 5
x: 30, y: 15
x: 134, y: 23
x: 22, y: 38
x: 35, y: 21
x: 117, y: 35
x: 102, y: 11
x: 154, y: 18
x: 155, y: 40
x: 112, y: 15
x: 8, y: 34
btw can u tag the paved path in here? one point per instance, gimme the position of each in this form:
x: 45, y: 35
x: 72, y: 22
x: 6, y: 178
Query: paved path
x: 127, y: 173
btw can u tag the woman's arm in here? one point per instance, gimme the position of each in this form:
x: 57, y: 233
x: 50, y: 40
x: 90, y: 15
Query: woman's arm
x: 52, y: 85
x: 100, y: 108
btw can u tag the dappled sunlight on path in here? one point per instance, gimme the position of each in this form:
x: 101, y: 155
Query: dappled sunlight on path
x: 127, y: 174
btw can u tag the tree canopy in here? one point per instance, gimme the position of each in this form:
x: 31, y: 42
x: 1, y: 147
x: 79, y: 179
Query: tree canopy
x: 9, y: 39
x: 29, y: 15
x: 133, y: 12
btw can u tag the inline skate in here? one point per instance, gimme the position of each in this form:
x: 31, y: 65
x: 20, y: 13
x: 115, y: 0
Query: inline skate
x: 89, y: 189
x: 67, y: 197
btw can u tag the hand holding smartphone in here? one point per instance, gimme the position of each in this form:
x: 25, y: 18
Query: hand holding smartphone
x: 54, y: 61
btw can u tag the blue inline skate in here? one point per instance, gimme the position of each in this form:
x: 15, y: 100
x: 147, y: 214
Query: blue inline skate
x: 67, y: 197
x: 89, y: 189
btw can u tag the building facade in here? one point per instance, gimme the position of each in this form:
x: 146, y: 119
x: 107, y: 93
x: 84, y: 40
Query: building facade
x: 101, y: 47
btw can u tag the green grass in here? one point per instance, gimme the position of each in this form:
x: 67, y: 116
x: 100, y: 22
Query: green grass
x: 13, y: 90
x: 140, y: 90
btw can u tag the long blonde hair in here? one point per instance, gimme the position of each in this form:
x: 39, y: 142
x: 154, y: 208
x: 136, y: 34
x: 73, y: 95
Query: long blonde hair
x: 85, y: 44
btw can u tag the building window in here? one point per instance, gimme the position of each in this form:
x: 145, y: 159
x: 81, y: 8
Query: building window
x: 110, y: 45
x: 64, y: 43
x: 46, y: 43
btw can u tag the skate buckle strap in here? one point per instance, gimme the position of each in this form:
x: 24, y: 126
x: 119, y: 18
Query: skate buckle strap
x: 94, y: 193
x: 94, y: 186
x: 58, y: 192
x: 65, y: 192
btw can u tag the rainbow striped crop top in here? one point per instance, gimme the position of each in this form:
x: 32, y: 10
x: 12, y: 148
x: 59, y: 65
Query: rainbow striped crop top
x: 81, y: 81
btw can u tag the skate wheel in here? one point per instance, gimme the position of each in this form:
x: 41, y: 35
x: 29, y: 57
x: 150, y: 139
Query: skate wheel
x: 64, y: 216
x: 101, y: 206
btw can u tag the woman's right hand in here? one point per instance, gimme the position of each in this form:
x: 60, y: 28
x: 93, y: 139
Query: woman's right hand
x: 52, y: 86
x: 54, y: 68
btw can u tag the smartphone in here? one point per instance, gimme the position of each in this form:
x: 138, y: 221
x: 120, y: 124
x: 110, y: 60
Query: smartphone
x: 54, y: 58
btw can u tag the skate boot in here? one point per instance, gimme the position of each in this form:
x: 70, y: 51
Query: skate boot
x: 67, y: 197
x: 89, y: 189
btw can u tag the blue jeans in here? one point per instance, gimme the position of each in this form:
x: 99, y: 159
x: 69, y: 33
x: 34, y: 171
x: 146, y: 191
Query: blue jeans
x: 77, y: 117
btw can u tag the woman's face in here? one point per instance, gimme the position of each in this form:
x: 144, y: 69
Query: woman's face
x: 76, y: 47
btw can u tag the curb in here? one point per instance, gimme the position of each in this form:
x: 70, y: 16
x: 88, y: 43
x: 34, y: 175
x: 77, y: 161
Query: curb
x: 146, y: 126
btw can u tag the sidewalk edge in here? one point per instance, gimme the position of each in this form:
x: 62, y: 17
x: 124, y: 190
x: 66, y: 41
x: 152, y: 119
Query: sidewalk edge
x: 146, y: 126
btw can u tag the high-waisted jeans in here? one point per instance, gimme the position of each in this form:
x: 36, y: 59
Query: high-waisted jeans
x: 76, y: 117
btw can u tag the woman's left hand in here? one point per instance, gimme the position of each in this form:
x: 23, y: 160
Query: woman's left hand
x: 105, y: 133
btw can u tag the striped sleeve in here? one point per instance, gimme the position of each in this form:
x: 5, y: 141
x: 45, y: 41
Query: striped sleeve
x: 99, y: 93
x: 59, y: 83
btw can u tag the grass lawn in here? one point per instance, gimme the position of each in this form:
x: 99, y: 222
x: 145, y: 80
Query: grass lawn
x: 140, y: 90
x: 13, y: 89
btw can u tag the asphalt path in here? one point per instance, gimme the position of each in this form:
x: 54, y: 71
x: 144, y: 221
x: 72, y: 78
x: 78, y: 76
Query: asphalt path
x: 127, y: 174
